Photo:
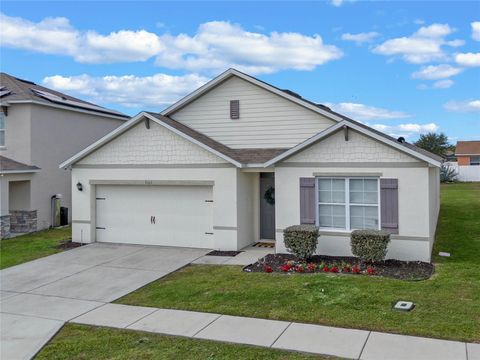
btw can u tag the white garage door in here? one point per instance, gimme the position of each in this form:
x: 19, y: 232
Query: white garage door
x: 155, y: 215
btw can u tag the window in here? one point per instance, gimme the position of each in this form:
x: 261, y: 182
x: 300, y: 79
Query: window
x: 2, y: 129
x: 348, y: 203
x: 474, y: 160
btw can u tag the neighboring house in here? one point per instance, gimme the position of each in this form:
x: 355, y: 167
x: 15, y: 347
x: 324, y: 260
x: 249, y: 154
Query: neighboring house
x: 39, y: 128
x: 202, y: 174
x: 467, y: 163
x: 468, y: 153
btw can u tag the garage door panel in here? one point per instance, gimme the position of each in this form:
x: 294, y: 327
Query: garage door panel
x: 155, y: 215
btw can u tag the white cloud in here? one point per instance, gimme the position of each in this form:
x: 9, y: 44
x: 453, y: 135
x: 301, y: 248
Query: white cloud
x: 475, y: 30
x: 216, y: 46
x: 423, y: 46
x: 406, y: 130
x: 419, y: 21
x: 463, y: 106
x: 338, y: 3
x: 360, y: 37
x: 128, y: 90
x: 124, y: 46
x: 57, y: 36
x: 468, y: 59
x: 365, y: 112
x: 51, y: 35
x: 443, y: 84
x: 435, y: 72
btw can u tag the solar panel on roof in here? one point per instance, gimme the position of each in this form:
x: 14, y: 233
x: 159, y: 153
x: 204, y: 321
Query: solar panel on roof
x: 64, y: 101
x: 4, y: 91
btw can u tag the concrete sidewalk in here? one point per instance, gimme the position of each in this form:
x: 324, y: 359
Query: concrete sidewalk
x: 344, y: 343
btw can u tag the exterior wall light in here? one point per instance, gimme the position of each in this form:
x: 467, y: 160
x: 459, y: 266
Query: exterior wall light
x: 79, y: 186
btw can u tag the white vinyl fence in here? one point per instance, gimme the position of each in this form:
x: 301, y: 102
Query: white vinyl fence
x: 465, y: 173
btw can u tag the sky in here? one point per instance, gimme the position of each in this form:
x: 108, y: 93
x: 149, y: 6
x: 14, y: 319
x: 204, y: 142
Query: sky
x: 403, y: 67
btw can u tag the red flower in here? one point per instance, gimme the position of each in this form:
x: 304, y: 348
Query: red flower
x: 334, y: 269
x: 299, y: 268
x: 326, y: 268
x: 311, y: 267
x: 267, y: 268
x: 346, y: 269
x: 370, y: 270
x: 356, y: 270
x: 285, y: 268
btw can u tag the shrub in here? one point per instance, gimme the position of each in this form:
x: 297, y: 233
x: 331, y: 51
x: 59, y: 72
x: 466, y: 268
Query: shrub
x: 369, y: 245
x: 301, y: 240
x: 448, y: 174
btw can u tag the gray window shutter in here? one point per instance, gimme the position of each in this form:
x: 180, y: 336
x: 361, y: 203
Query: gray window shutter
x: 389, y: 205
x: 307, y: 201
x: 234, y: 109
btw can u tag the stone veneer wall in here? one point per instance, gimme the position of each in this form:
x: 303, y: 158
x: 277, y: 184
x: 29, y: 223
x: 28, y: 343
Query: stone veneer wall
x: 4, y: 226
x: 23, y: 221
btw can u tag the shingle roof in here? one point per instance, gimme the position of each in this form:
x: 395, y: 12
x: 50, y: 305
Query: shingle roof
x: 16, y: 89
x: 244, y: 156
x: 467, y: 148
x: 7, y: 164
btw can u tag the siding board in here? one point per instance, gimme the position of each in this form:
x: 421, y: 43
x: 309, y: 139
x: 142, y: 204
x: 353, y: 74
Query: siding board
x: 266, y: 119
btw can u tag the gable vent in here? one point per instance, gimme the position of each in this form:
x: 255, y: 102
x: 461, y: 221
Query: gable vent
x: 234, y: 109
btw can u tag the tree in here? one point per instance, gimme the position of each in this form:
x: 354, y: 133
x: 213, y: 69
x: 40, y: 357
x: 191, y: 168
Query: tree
x: 435, y: 143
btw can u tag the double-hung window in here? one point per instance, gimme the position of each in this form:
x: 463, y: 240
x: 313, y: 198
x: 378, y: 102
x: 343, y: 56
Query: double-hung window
x: 348, y: 203
x: 2, y: 129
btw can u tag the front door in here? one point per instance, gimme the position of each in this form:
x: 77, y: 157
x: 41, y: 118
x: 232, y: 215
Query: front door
x: 267, y: 206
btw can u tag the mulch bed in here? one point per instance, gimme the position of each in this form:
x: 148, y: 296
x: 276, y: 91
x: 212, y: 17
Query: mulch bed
x: 223, y: 253
x: 396, y: 269
x: 68, y: 244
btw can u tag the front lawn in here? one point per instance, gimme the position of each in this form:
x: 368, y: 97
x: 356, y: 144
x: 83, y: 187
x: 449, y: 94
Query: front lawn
x: 32, y: 246
x: 89, y: 342
x: 447, y: 305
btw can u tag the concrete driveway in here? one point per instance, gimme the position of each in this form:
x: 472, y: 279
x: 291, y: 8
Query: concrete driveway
x: 37, y: 297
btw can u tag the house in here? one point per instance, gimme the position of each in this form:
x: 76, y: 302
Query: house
x: 239, y: 160
x: 467, y: 164
x: 468, y: 153
x: 40, y: 127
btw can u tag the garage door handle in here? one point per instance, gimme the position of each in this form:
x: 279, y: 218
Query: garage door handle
x: 152, y: 219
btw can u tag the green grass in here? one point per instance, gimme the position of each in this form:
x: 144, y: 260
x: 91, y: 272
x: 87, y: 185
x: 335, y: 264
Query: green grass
x: 89, y: 342
x: 32, y: 246
x: 447, y: 305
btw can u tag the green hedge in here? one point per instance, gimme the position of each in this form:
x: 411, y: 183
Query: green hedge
x: 369, y: 245
x: 301, y: 240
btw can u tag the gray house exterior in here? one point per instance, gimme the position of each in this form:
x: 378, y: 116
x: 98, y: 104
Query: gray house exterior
x: 39, y: 128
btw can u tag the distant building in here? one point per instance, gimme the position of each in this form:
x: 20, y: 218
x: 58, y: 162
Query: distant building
x: 468, y: 153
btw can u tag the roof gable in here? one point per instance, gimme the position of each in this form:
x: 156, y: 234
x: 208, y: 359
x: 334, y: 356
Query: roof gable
x: 287, y: 94
x: 169, y: 124
x: 345, y: 124
x: 150, y: 144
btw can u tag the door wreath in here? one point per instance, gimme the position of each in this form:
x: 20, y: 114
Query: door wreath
x: 269, y: 195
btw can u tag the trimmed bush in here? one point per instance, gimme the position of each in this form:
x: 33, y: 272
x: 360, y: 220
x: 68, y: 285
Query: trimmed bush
x: 301, y: 240
x: 369, y: 245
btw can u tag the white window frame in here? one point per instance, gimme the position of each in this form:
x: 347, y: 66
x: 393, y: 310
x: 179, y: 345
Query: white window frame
x: 476, y: 162
x: 2, y: 146
x: 347, y: 203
